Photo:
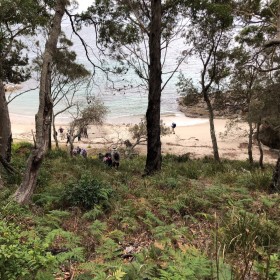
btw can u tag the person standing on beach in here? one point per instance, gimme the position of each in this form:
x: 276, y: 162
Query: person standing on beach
x: 60, y: 130
x: 67, y: 138
x: 173, y: 125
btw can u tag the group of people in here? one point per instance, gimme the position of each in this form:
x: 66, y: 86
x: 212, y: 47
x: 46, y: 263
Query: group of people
x: 82, y: 132
x: 80, y: 151
x: 112, y: 159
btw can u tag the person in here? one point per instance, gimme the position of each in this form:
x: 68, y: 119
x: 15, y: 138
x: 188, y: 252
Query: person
x: 80, y: 151
x: 83, y: 152
x: 108, y: 159
x: 61, y: 134
x: 85, y: 134
x: 173, y: 125
x: 76, y: 151
x: 115, y: 157
x: 68, y: 138
x: 79, y: 135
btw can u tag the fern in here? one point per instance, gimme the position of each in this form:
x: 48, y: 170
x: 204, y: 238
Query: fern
x: 97, y: 229
x: 109, y: 249
x: 75, y: 254
x: 94, y: 213
x: 190, y: 265
x: 151, y: 220
x: 167, y: 233
x: 61, y: 238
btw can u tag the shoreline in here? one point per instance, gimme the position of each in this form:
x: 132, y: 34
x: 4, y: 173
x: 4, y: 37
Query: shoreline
x: 192, y: 135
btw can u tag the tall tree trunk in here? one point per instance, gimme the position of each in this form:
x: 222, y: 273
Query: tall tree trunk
x: 260, y: 146
x: 43, y: 117
x: 212, y: 127
x: 275, y: 185
x: 153, y: 162
x: 1, y: 183
x: 54, y: 132
x: 5, y: 126
x: 50, y: 131
x: 250, y: 144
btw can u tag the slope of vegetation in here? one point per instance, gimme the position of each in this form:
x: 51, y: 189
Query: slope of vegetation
x: 196, y: 219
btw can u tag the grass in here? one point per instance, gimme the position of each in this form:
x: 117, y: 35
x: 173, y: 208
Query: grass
x: 195, y: 219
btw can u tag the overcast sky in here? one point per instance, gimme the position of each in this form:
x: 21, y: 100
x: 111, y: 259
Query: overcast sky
x: 83, y: 4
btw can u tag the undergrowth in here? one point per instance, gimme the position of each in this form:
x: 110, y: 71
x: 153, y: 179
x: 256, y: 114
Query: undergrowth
x: 195, y: 219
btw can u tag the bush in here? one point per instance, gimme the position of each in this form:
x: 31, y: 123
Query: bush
x: 255, y: 180
x: 22, y: 254
x: 86, y: 193
x: 56, y: 153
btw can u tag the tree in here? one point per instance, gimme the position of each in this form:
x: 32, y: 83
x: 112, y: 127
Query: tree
x: 68, y: 77
x: 266, y: 20
x: 139, y: 133
x: 137, y: 34
x: 153, y: 162
x: 17, y: 19
x: 94, y: 113
x: 43, y: 116
x: 208, y: 38
x: 245, y: 84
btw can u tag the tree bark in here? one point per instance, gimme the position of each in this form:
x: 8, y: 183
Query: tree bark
x: 212, y: 126
x: 260, y: 146
x: 54, y: 132
x: 250, y: 144
x: 153, y: 162
x: 50, y: 132
x: 1, y: 183
x: 275, y: 185
x: 43, y: 117
x: 5, y: 126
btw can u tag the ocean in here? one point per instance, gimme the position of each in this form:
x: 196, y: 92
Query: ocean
x: 127, y: 100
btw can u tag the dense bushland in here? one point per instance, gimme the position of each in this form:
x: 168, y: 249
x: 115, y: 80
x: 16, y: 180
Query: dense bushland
x: 197, y: 219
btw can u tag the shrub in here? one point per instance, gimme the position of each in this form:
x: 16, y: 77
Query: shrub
x: 22, y: 254
x: 56, y: 153
x: 86, y: 193
x: 22, y: 149
x: 255, y: 181
x: 243, y: 228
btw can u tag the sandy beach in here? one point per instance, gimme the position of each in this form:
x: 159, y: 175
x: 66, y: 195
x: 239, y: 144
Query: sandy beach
x: 191, y: 136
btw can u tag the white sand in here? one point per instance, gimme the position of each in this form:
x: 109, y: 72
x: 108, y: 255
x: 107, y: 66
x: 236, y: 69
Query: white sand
x: 191, y: 136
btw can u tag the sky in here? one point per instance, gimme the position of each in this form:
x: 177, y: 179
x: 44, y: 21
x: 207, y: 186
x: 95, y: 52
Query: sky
x: 83, y: 4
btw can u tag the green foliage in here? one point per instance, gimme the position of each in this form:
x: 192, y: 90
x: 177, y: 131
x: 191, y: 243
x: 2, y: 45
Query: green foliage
x: 269, y: 267
x: 86, y: 193
x: 116, y: 235
x: 109, y: 249
x: 243, y: 230
x: 56, y: 153
x: 189, y: 204
x: 159, y: 217
x: 97, y: 230
x: 186, y: 265
x: 255, y: 180
x: 22, y: 253
x: 94, y: 214
x: 169, y: 233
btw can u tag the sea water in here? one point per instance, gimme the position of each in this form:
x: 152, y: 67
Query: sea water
x: 125, y: 99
